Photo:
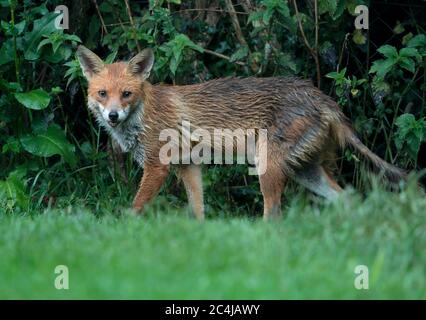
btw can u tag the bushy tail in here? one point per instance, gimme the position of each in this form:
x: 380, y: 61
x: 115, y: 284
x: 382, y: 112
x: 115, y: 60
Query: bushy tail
x: 390, y: 172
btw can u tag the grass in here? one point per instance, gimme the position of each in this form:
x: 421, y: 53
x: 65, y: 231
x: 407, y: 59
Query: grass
x: 310, y: 254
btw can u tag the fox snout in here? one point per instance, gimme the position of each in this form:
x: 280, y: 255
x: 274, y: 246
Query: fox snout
x: 114, y: 115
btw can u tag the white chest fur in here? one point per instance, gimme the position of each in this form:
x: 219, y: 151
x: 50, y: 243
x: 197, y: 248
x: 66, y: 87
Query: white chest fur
x: 128, y: 133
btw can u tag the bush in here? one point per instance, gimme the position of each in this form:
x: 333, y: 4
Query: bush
x: 52, y: 153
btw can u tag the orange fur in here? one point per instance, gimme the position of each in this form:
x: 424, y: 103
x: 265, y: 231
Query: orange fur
x: 304, y: 125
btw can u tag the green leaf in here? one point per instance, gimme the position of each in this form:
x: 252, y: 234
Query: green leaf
x: 267, y: 15
x: 6, y: 52
x: 329, y: 6
x: 241, y: 53
x: 42, y: 27
x: 52, y: 142
x: 408, y: 64
x: 287, y: 61
x: 283, y: 8
x: 72, y: 37
x: 418, y: 41
x: 13, y: 189
x: 382, y: 67
x: 405, y: 120
x: 111, y: 57
x: 105, y: 7
x: 358, y: 37
x: 254, y: 18
x: 173, y: 65
x: 43, y: 43
x: 341, y: 5
x: 410, y: 134
x: 337, y: 75
x: 406, y: 39
x: 380, y: 86
x: 409, y: 52
x: 184, y: 41
x: 388, y: 51
x: 174, y: 49
x: 10, y: 86
x: 399, y: 28
x: 63, y: 54
x: 332, y: 75
x: 11, y: 145
x: 36, y: 99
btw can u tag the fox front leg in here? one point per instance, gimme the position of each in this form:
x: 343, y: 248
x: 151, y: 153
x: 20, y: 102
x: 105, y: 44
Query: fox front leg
x: 152, y: 180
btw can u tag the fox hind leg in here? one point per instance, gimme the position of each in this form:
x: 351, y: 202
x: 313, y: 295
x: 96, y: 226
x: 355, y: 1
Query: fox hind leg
x: 316, y: 179
x: 192, y: 180
x: 271, y: 186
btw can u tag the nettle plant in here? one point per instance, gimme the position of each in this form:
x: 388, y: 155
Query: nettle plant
x: 397, y: 102
x: 155, y: 27
x: 396, y: 92
x: 347, y: 88
x: 31, y: 53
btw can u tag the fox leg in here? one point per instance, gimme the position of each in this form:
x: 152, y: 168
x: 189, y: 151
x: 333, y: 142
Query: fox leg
x: 152, y: 180
x: 317, y: 180
x: 271, y: 186
x: 192, y: 180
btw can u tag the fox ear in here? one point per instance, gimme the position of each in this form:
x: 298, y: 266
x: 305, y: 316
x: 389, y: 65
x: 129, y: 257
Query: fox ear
x: 90, y: 63
x: 142, y: 63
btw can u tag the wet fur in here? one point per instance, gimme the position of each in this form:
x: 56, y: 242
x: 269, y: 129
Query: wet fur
x: 305, y: 126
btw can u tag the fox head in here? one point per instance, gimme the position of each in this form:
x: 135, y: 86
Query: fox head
x: 115, y: 90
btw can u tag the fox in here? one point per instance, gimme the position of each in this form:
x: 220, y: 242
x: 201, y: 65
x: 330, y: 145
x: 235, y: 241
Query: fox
x: 305, y: 127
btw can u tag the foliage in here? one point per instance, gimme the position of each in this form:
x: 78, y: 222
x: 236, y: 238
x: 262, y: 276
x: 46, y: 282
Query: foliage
x: 411, y: 133
x: 53, y: 154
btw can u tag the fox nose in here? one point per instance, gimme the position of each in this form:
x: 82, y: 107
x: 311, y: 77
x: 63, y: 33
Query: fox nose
x: 113, y: 116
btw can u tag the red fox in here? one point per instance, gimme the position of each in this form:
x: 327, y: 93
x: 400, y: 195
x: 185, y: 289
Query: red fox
x: 304, y: 126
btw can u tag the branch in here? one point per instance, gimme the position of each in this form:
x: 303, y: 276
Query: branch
x: 313, y: 51
x: 132, y: 23
x: 209, y: 10
x: 104, y: 29
x: 235, y: 23
x: 316, y: 45
x: 222, y: 56
x: 247, y: 6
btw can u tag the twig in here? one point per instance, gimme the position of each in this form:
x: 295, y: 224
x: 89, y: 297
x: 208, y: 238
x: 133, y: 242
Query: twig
x: 247, y: 6
x: 341, y: 51
x: 104, y: 29
x: 235, y: 23
x: 117, y: 24
x: 132, y: 23
x: 316, y: 25
x: 219, y: 55
x: 301, y: 28
x: 339, y: 62
x: 313, y: 51
x: 15, y: 55
x: 210, y: 10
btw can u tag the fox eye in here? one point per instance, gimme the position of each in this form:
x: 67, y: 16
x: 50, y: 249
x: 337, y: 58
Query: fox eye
x: 102, y: 93
x: 126, y: 94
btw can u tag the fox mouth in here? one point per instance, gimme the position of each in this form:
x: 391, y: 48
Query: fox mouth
x: 113, y: 124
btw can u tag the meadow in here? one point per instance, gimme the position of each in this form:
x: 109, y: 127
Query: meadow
x: 311, y: 253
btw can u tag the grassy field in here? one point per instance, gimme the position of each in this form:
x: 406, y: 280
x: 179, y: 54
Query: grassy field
x: 311, y: 253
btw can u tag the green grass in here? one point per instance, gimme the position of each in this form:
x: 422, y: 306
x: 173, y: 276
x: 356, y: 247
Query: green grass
x: 311, y: 253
